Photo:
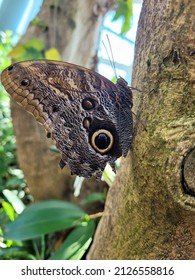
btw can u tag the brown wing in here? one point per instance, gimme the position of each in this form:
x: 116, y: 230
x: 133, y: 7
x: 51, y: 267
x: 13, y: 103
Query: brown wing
x: 32, y: 82
x: 75, y: 77
x: 88, y: 116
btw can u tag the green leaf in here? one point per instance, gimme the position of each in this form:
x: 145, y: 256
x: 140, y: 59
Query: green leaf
x: 16, y: 253
x: 13, y: 182
x: 42, y: 218
x: 124, y: 10
x: 114, y: 79
x: 39, y: 23
x: 52, y: 54
x: 9, y: 210
x: 93, y: 198
x: 76, y: 244
x: 32, y: 49
x: 34, y: 43
x: 17, y: 52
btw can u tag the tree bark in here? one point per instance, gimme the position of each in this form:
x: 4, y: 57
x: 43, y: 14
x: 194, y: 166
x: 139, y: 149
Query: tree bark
x: 149, y: 211
x: 73, y: 28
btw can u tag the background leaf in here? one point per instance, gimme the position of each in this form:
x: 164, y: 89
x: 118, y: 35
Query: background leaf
x: 52, y: 54
x: 124, y: 10
x: 76, y: 244
x: 42, y: 218
x: 9, y: 210
x: 94, y: 197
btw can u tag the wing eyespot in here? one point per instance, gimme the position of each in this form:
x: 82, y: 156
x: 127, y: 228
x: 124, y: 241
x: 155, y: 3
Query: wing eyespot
x: 25, y: 82
x: 88, y: 104
x: 87, y: 123
x: 102, y: 141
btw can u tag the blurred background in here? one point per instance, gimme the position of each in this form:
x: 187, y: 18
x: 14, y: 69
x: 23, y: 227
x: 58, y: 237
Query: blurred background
x: 72, y: 31
x: 24, y: 11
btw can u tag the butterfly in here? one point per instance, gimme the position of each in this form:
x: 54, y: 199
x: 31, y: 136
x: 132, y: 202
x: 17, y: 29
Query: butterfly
x: 88, y: 116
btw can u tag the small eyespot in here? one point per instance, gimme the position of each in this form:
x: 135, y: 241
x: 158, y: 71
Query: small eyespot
x: 87, y: 123
x: 25, y: 82
x: 10, y: 67
x: 55, y: 109
x: 102, y: 141
x: 48, y: 134
x: 88, y: 104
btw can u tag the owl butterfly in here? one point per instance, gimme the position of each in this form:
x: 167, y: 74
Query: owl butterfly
x: 87, y: 115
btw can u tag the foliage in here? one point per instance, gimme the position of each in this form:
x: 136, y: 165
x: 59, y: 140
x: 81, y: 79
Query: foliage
x: 96, y: 196
x: 52, y: 53
x: 124, y: 11
x: 33, y: 49
x: 11, y: 176
x: 76, y: 244
x: 5, y: 48
x: 27, y: 233
x: 42, y: 218
x: 39, y: 23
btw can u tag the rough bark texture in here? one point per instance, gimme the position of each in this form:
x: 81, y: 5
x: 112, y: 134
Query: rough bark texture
x: 73, y: 28
x: 148, y: 214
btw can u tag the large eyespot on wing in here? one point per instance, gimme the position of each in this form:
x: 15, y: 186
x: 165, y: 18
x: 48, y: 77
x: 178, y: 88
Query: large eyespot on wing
x: 102, y: 140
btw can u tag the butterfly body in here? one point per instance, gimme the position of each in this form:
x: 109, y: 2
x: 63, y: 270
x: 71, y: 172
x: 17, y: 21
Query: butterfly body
x: 87, y: 115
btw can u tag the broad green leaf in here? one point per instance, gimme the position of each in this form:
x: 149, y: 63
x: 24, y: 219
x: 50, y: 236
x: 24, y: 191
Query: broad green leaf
x: 124, y: 10
x: 54, y: 204
x: 76, y: 244
x: 42, y: 218
x: 93, y: 198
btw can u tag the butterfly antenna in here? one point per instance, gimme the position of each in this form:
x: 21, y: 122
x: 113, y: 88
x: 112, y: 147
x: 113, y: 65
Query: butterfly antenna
x: 111, y: 60
x: 112, y: 56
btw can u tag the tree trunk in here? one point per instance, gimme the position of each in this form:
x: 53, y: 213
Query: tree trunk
x: 73, y: 28
x: 149, y: 211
